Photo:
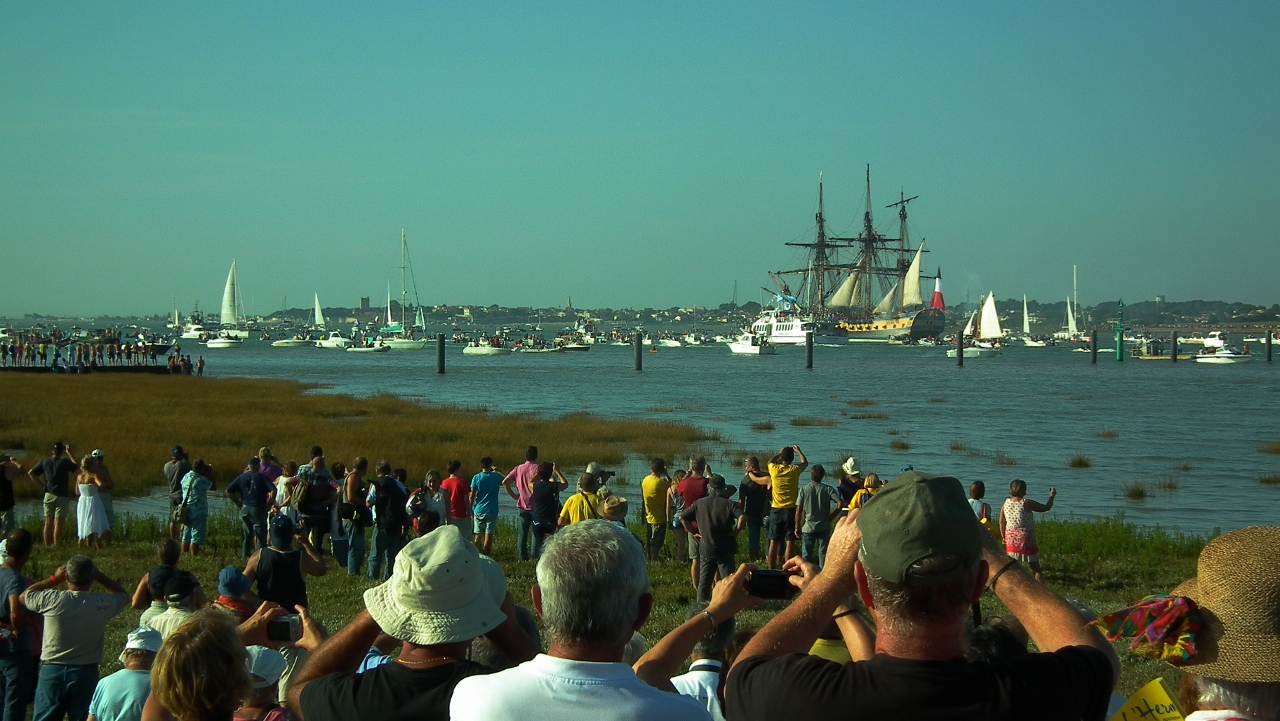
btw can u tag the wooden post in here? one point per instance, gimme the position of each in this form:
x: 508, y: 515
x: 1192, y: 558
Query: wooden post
x: 960, y: 350
x: 808, y: 350
x: 439, y: 352
x: 1173, y: 345
x: 637, y: 344
x: 1093, y: 347
x: 1269, y: 333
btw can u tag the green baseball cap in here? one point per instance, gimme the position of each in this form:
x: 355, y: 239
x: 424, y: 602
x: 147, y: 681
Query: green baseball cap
x: 913, y: 517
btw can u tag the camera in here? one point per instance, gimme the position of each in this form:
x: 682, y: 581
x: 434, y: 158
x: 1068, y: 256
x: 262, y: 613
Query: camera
x: 765, y: 583
x: 286, y: 629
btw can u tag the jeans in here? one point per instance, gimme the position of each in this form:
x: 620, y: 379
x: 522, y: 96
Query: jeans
x: 17, y: 675
x: 522, y: 535
x: 540, y: 536
x: 355, y: 546
x: 754, y: 525
x: 813, y: 548
x: 707, y: 568
x: 385, y: 548
x: 64, y: 690
x: 253, y: 521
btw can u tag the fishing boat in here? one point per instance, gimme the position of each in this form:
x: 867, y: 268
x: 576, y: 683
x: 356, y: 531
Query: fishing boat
x: 578, y: 347
x: 752, y: 344
x: 669, y: 343
x: 224, y: 341
x: 1147, y: 349
x: 194, y: 328
x: 548, y: 349
x: 860, y: 288
x: 229, y: 321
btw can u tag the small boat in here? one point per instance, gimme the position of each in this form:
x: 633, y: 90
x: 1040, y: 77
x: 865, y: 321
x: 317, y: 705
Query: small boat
x: 975, y: 352
x: 224, y: 342
x: 669, y: 343
x: 476, y: 349
x: 1031, y: 343
x: 575, y: 347
x: 986, y: 332
x: 295, y: 342
x: 404, y: 343
x: 752, y: 344
x: 1221, y: 356
x: 539, y: 350
x: 368, y: 349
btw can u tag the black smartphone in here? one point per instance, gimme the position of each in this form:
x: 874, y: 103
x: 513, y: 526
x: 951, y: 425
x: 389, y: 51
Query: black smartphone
x: 286, y: 629
x: 766, y: 583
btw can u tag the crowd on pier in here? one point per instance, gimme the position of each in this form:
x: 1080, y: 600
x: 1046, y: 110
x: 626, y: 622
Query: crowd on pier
x: 85, y: 357
x: 876, y: 586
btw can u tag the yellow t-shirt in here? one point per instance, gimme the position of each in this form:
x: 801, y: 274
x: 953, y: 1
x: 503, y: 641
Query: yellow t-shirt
x: 581, y: 506
x: 831, y: 650
x: 862, y: 496
x: 786, y: 484
x: 654, y: 491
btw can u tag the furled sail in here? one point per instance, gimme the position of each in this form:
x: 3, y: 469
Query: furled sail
x: 888, y: 303
x: 1026, y: 322
x: 911, y: 283
x: 989, y: 325
x: 319, y: 314
x: 229, y: 299
x: 1071, y: 319
x: 844, y: 295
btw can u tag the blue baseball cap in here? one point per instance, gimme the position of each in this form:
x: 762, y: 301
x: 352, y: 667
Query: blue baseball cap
x: 232, y: 582
x: 282, y: 530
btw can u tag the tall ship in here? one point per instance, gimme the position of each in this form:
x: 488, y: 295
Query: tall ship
x: 867, y: 287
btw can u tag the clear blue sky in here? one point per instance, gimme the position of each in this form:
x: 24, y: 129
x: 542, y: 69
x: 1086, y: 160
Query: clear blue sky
x: 628, y: 154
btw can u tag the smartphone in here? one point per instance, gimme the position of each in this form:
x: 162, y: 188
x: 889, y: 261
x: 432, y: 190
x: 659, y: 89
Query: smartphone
x: 286, y: 629
x: 766, y: 583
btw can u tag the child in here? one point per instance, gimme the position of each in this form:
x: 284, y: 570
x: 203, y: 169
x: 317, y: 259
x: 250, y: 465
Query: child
x: 266, y: 666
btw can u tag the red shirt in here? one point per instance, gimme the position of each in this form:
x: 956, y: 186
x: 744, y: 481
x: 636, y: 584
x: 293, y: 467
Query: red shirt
x: 459, y: 502
x: 691, y: 489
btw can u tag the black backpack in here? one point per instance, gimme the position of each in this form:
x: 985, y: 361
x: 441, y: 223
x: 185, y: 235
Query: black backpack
x: 389, y: 503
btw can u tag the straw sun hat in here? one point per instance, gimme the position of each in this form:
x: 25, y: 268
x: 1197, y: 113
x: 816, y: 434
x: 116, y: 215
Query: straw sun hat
x: 1237, y: 588
x: 441, y: 591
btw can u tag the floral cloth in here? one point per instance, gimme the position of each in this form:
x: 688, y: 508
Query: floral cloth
x: 1019, y: 528
x: 1162, y: 627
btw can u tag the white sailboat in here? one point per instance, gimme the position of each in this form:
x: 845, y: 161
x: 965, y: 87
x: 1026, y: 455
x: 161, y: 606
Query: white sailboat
x: 1026, y: 328
x: 229, y: 333
x: 397, y: 336
x: 328, y: 339
x: 987, y: 332
x: 1069, y: 330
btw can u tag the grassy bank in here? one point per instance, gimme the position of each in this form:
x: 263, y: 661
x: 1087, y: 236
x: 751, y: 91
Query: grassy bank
x: 137, y: 419
x: 1106, y: 563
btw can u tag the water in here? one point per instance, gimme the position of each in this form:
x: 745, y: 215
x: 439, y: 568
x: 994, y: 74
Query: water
x: 1039, y: 406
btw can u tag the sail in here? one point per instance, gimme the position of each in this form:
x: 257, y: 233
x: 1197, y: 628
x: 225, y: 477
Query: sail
x: 319, y: 314
x: 989, y: 325
x: 229, y: 299
x: 1071, y: 319
x: 844, y: 295
x: 911, y: 283
x: 968, y: 327
x: 1026, y: 322
x: 887, y: 303
x: 418, y: 320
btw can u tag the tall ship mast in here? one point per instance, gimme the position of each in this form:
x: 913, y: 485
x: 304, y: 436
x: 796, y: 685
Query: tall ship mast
x: 867, y: 286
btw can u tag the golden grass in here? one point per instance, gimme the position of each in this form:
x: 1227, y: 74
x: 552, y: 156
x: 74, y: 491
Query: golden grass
x: 1002, y: 459
x: 762, y: 426
x: 900, y: 444
x: 937, y: 400
x: 137, y: 419
x: 805, y: 421
x: 862, y: 403
x: 1269, y: 479
x: 870, y: 416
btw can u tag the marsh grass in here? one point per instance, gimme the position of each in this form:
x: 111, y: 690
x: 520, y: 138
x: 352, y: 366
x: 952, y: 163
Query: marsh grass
x: 1169, y: 483
x: 1135, y: 491
x: 960, y: 447
x: 1106, y: 433
x: 1184, y: 467
x: 1272, y: 447
x: 807, y: 421
x: 1269, y: 479
x: 893, y: 431
x: 938, y: 400
x: 1000, y: 458
x: 762, y: 426
x: 1080, y: 460
x: 869, y: 416
x: 661, y: 409
x: 862, y: 403
x: 137, y: 419
x: 901, y: 445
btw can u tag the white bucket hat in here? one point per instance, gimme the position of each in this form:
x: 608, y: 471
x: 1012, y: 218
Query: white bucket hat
x: 442, y: 591
x: 850, y: 466
x: 143, y: 638
x: 266, y: 665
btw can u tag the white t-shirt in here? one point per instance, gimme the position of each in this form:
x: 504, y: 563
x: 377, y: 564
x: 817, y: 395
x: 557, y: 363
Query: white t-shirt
x: 702, y: 684
x: 556, y: 689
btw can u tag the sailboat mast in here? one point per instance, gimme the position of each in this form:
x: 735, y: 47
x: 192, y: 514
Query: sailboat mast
x: 1075, y: 293
x: 818, y: 269
x: 404, y: 292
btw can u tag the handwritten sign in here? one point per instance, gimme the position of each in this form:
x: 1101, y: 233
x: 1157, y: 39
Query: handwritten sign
x: 1149, y: 703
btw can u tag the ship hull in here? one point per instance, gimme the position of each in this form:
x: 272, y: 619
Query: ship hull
x: 921, y: 324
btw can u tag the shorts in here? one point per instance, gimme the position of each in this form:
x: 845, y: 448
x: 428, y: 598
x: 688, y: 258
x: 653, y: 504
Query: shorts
x: 656, y: 534
x: 485, y: 524
x: 782, y: 524
x: 692, y: 545
x: 56, y: 506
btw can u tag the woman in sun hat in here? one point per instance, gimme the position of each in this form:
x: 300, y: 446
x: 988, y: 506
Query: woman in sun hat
x: 1222, y: 628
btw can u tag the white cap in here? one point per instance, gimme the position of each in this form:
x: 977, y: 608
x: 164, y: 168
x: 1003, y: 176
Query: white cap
x: 266, y: 665
x: 143, y: 638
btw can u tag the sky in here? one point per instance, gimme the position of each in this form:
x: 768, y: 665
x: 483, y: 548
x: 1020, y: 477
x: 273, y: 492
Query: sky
x: 628, y: 154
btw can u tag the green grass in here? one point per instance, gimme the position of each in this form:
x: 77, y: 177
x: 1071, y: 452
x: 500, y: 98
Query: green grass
x: 1106, y: 563
x: 901, y: 445
x: 805, y: 421
x: 961, y: 447
x: 762, y: 426
x: 1169, y: 483
x: 1135, y: 491
x: 893, y: 432
x: 1269, y: 479
x: 1272, y: 447
x: 1080, y: 460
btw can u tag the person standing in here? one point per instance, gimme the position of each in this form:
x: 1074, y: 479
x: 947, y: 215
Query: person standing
x: 519, y: 485
x: 91, y: 518
x: 459, y: 502
x: 9, y: 470
x: 54, y: 473
x: 17, y: 665
x: 195, y: 493
x: 314, y: 513
x: 253, y: 494
x: 200, y: 366
x: 388, y: 498
x: 1018, y: 525
x: 179, y: 594
x: 74, y: 625
x: 850, y: 483
x: 356, y: 516
x: 583, y: 505
x: 691, y: 489
x: 106, y: 485
x: 784, y: 480
x: 675, y: 506
x: 816, y: 507
x: 718, y: 522
x: 175, y: 470
x: 653, y: 494
x: 547, y: 485
x: 869, y: 487
x: 753, y: 499
x: 484, y: 504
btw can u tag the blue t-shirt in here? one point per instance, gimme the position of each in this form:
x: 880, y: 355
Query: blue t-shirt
x: 195, y: 489
x: 120, y: 696
x: 252, y: 487
x: 12, y: 584
x: 486, y: 485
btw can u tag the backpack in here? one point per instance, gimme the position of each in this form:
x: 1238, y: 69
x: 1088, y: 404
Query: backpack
x: 298, y: 496
x: 390, y: 503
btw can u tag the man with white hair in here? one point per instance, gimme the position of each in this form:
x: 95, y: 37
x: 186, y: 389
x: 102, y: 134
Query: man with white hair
x: 593, y: 594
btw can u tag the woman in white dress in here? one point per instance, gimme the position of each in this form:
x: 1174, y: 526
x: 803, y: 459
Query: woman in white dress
x: 92, y: 526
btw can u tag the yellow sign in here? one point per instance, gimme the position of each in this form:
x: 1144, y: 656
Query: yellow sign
x: 1149, y: 703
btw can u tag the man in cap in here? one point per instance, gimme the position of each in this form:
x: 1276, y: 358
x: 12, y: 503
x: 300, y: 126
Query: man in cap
x: 850, y: 483
x: 120, y: 696
x: 177, y: 467
x: 441, y: 595
x: 714, y: 522
x: 178, y: 592
x: 53, y: 475
x: 253, y: 493
x: 100, y: 471
x: 583, y: 505
x: 234, y: 596
x: 9, y: 470
x: 74, y: 622
x: 916, y: 557
x: 593, y: 595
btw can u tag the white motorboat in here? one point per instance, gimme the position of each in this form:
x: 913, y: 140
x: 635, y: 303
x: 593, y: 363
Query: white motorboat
x: 335, y: 340
x: 575, y: 347
x: 783, y: 328
x: 295, y: 342
x: 1222, y: 355
x: 476, y: 349
x: 752, y: 344
x: 669, y: 343
x: 976, y: 352
x: 224, y: 341
x: 368, y: 349
x: 404, y: 343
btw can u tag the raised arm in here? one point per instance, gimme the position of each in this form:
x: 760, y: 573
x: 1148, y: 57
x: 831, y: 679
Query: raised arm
x: 1039, y: 507
x: 804, y: 462
x: 107, y: 582
x: 340, y: 654
x: 310, y: 561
